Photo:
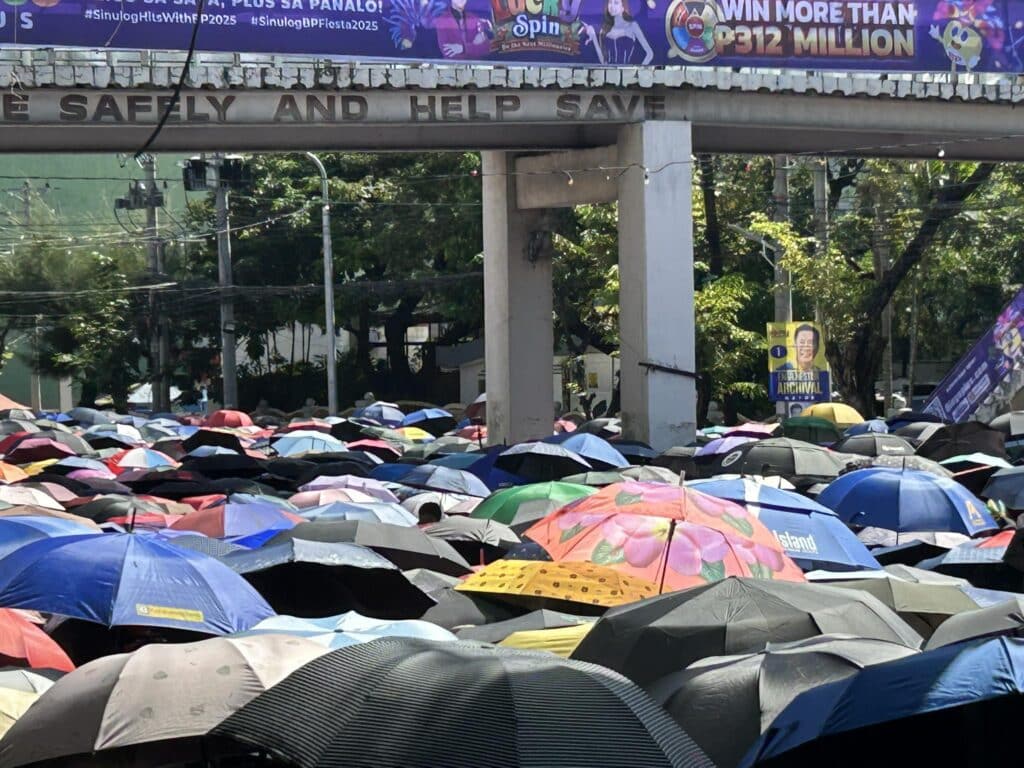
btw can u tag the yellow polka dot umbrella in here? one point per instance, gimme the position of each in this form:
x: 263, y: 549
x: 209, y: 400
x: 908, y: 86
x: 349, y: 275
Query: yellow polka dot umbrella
x: 572, y: 584
x: 561, y: 641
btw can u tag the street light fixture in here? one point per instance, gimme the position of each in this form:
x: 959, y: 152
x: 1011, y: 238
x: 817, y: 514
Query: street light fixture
x: 332, y: 360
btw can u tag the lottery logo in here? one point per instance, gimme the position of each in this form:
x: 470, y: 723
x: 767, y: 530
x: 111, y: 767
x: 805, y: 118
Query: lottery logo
x: 690, y: 29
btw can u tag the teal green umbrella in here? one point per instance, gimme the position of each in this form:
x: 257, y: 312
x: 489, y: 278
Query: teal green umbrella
x: 525, y: 504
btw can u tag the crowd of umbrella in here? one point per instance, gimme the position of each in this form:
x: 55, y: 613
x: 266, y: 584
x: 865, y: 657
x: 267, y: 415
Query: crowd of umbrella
x: 387, y: 590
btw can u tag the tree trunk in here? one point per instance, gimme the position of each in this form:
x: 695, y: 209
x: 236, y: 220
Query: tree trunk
x: 395, y: 328
x: 706, y: 163
x: 856, y: 366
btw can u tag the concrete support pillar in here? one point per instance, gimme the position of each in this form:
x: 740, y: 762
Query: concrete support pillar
x: 656, y: 325
x: 518, y: 327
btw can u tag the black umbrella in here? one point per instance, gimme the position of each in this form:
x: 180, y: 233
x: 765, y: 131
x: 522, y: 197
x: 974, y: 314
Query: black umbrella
x: 406, y: 547
x: 957, y: 439
x: 314, y: 579
x: 1007, y: 486
x: 229, y: 485
x: 170, y: 446
x: 347, y: 430
x: 21, y: 414
x: 74, y: 442
x: 918, y: 431
x: 102, y: 440
x: 605, y: 427
x: 412, y: 703
x: 143, y: 481
x: 430, y: 581
x: 92, y: 416
x: 184, y: 489
x: 636, y: 452
x: 541, y: 462
x: 678, y: 459
x: 77, y: 487
x: 293, y: 469
x: 102, y: 508
x: 726, y: 703
x: 541, y: 619
x: 661, y: 635
x: 213, y: 437
x: 461, y: 609
x: 875, y: 444
x: 334, y: 469
x: 780, y: 456
x: 224, y: 465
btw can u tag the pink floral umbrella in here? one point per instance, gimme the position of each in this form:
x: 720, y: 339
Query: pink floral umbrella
x: 675, y: 537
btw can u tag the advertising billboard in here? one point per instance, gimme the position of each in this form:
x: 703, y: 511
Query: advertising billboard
x: 977, y: 374
x: 877, y: 35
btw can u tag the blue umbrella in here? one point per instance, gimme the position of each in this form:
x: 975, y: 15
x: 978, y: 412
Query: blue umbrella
x: 812, y: 535
x: 937, y: 681
x: 385, y: 413
x: 81, y: 462
x: 262, y: 498
x: 202, y: 451
x: 122, y: 579
x: 126, y: 580
x: 18, y: 530
x: 905, y: 500
x: 291, y: 445
x: 493, y: 477
x: 436, y: 478
x: 599, y: 452
x: 436, y: 421
x: 391, y: 473
x: 458, y: 460
x: 871, y: 425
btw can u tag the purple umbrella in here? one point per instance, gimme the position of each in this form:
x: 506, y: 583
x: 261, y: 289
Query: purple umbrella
x: 724, y: 445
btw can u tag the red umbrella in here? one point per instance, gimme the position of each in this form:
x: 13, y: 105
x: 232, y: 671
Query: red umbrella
x: 226, y: 418
x: 22, y: 643
x: 313, y: 424
x: 205, y: 502
x: 37, y: 449
x: 473, y: 432
x: 9, y: 442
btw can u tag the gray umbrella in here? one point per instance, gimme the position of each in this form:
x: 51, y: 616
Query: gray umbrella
x: 727, y: 702
x: 430, y: 581
x: 1000, y: 619
x: 923, y: 603
x: 875, y: 444
x: 161, y: 696
x: 919, y: 463
x: 474, y: 529
x: 654, y: 637
x: 411, y: 703
x: 542, y: 619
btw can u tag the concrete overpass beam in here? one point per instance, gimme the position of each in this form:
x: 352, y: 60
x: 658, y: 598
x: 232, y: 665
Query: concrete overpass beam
x: 518, y: 327
x: 567, y: 179
x: 656, y: 323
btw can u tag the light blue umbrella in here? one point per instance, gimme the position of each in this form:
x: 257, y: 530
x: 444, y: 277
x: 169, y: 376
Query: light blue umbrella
x: 386, y: 413
x: 380, y: 512
x: 348, y: 629
x: 906, y: 500
x: 599, y: 452
x: 871, y: 425
x: 293, y: 444
x: 812, y: 535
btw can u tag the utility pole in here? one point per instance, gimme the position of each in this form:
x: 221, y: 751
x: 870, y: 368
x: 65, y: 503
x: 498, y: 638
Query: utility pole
x: 783, y: 289
x: 820, y: 171
x: 881, y: 248
x: 227, y: 301
x: 158, y: 342
x: 332, y: 353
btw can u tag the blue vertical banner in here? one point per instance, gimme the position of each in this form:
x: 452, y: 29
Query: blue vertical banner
x: 874, y: 35
x: 979, y: 372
